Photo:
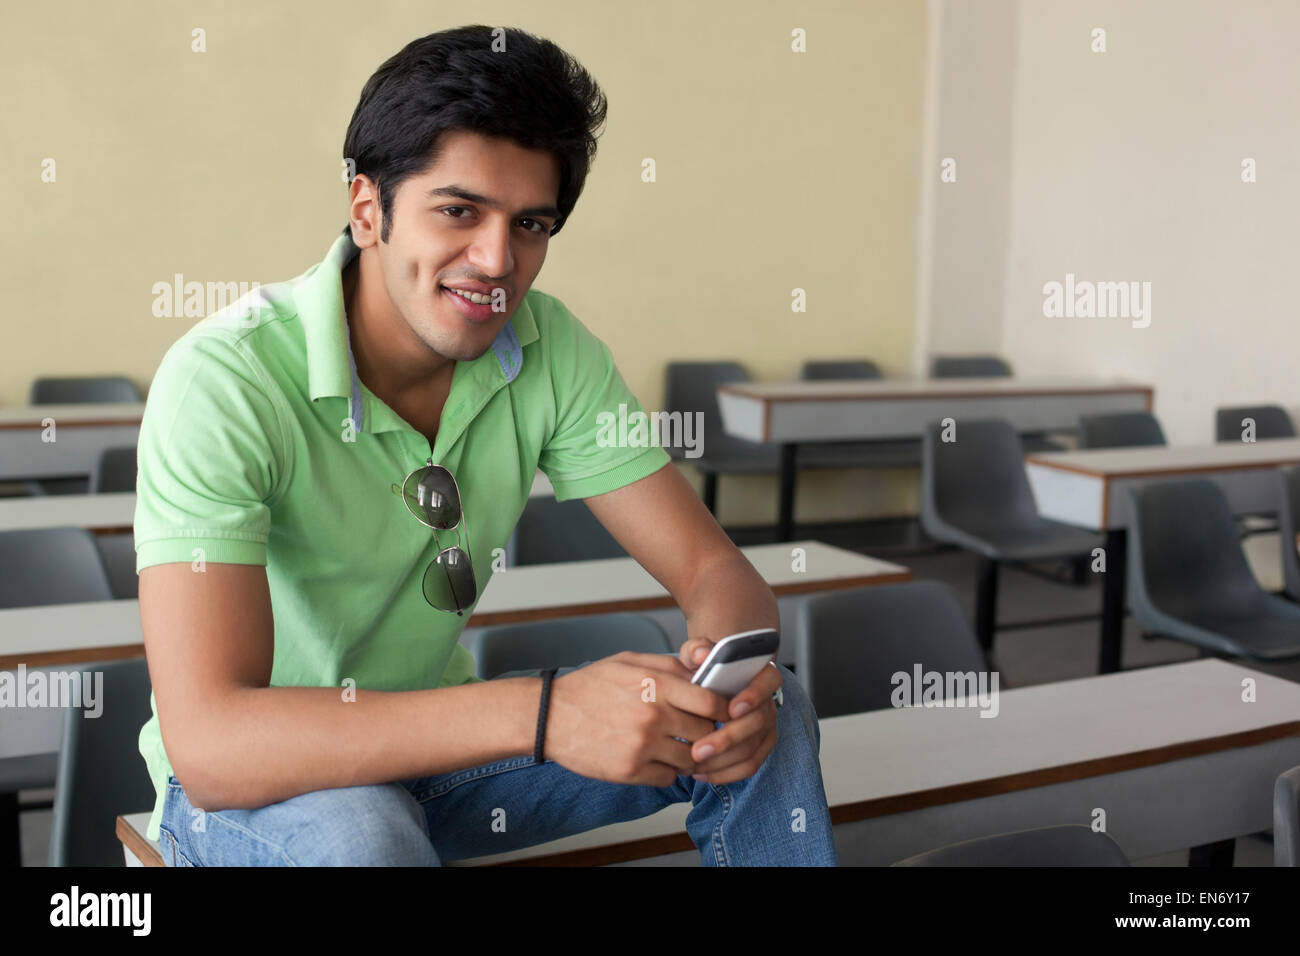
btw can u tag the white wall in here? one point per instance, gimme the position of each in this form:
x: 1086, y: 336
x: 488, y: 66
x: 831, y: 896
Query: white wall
x: 1126, y: 165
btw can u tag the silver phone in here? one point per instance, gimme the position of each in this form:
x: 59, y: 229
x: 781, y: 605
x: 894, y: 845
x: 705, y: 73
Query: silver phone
x: 736, y: 660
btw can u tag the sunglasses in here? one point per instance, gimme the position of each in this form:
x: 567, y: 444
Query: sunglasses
x: 432, y: 496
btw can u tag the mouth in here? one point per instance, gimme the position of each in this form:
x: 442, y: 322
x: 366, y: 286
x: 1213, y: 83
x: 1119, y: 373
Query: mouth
x: 474, y: 311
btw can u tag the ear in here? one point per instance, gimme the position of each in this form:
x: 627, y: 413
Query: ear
x: 364, y: 213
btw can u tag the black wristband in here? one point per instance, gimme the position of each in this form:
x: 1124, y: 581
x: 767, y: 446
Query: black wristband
x: 547, y: 677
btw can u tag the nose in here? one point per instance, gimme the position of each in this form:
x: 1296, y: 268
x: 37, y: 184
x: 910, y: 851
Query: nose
x: 490, y: 251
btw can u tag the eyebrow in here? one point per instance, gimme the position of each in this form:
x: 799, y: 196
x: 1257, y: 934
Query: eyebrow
x: 459, y: 192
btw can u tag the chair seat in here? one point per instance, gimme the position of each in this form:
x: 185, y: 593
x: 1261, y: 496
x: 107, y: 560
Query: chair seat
x: 1270, y: 631
x: 28, y: 772
x: 1019, y: 541
x: 899, y: 453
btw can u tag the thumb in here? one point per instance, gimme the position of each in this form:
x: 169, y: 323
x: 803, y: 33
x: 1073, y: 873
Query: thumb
x: 694, y: 651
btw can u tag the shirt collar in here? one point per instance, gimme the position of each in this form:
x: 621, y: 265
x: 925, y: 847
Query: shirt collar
x: 331, y: 372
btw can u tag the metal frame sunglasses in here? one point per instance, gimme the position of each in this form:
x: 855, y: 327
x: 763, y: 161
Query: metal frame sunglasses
x: 431, y: 494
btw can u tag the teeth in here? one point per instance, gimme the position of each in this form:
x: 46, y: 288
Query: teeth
x: 474, y: 297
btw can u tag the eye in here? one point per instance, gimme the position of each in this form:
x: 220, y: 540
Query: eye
x: 449, y: 208
x: 542, y: 228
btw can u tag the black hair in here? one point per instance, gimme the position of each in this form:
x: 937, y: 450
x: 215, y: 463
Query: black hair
x: 531, y: 92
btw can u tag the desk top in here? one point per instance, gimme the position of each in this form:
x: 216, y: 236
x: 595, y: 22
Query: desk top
x: 887, y: 389
x: 107, y: 630
x: 104, y: 512
x: 106, y: 413
x: 1164, y: 460
x: 535, y: 592
x: 897, y: 760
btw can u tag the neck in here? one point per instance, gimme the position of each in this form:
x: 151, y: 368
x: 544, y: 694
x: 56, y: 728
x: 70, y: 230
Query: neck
x: 391, y: 359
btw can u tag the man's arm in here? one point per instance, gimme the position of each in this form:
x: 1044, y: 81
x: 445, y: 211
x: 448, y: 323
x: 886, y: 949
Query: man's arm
x: 234, y: 742
x: 663, y: 524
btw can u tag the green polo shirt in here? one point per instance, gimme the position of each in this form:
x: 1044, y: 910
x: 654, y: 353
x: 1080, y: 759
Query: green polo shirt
x: 260, y: 445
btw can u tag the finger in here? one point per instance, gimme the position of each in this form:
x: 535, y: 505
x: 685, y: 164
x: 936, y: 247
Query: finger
x: 737, y: 753
x: 655, y: 662
x: 760, y: 689
x: 746, y: 768
x: 730, y: 734
x: 692, y: 698
x: 675, y: 754
x: 693, y: 652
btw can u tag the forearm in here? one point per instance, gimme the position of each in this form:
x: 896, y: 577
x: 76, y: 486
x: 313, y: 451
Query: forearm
x: 258, y: 746
x: 726, y: 597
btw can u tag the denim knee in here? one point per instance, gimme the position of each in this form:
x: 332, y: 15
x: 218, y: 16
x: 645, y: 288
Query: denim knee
x: 796, y: 705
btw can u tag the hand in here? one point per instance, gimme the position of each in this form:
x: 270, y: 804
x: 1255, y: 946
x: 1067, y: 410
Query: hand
x: 737, y: 749
x: 603, y: 722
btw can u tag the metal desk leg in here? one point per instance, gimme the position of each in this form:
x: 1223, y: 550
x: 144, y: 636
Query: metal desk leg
x: 785, y: 517
x: 1112, y: 600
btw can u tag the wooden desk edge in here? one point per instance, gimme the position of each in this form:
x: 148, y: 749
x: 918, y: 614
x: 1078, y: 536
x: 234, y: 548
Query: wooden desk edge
x: 137, y: 844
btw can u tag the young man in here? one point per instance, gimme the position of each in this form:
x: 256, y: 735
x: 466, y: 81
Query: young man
x: 274, y: 456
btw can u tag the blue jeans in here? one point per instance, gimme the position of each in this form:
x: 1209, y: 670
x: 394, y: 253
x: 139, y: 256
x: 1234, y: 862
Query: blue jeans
x: 777, y: 816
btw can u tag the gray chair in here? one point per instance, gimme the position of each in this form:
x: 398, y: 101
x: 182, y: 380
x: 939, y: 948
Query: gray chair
x: 1288, y: 526
x: 1189, y: 580
x: 113, y: 471
x: 568, y: 642
x: 551, y: 532
x: 1067, y: 845
x: 987, y: 366
x: 692, y: 387
x: 1271, y: 421
x: 882, y: 453
x: 975, y: 494
x: 969, y: 366
x: 42, y: 566
x: 852, y: 643
x: 1286, y: 818
x: 1120, y: 430
x: 77, y: 391
x: 101, y: 773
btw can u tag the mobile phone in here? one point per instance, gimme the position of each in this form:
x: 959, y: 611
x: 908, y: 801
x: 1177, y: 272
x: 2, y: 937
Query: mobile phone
x: 737, y: 660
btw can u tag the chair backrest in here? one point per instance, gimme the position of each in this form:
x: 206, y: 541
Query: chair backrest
x: 1185, y: 558
x: 565, y: 643
x: 50, y: 566
x: 1286, y: 818
x: 969, y: 366
x: 691, y: 387
x: 1271, y: 421
x: 853, y: 644
x: 1288, y: 526
x: 551, y: 531
x: 825, y: 369
x: 977, y: 480
x: 114, y: 470
x: 75, y: 391
x: 101, y: 773
x: 1120, y: 430
x: 1071, y: 844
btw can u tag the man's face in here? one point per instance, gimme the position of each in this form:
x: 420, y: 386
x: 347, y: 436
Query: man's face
x: 481, y: 217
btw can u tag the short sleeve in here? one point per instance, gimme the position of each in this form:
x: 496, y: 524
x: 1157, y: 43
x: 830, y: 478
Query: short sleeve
x: 210, y: 456
x: 589, y: 453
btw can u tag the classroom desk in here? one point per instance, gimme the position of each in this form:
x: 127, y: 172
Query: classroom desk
x: 100, y: 514
x: 1171, y: 754
x: 791, y: 413
x: 81, y: 433
x: 110, y: 630
x: 1088, y: 489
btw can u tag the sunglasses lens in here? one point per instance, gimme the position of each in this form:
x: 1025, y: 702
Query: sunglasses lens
x: 430, y: 494
x: 449, y: 582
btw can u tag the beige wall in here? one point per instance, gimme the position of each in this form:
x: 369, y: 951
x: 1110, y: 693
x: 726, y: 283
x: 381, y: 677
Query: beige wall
x: 775, y: 171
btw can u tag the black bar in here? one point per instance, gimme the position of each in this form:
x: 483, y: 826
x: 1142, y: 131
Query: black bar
x: 1112, y: 600
x: 785, y: 517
